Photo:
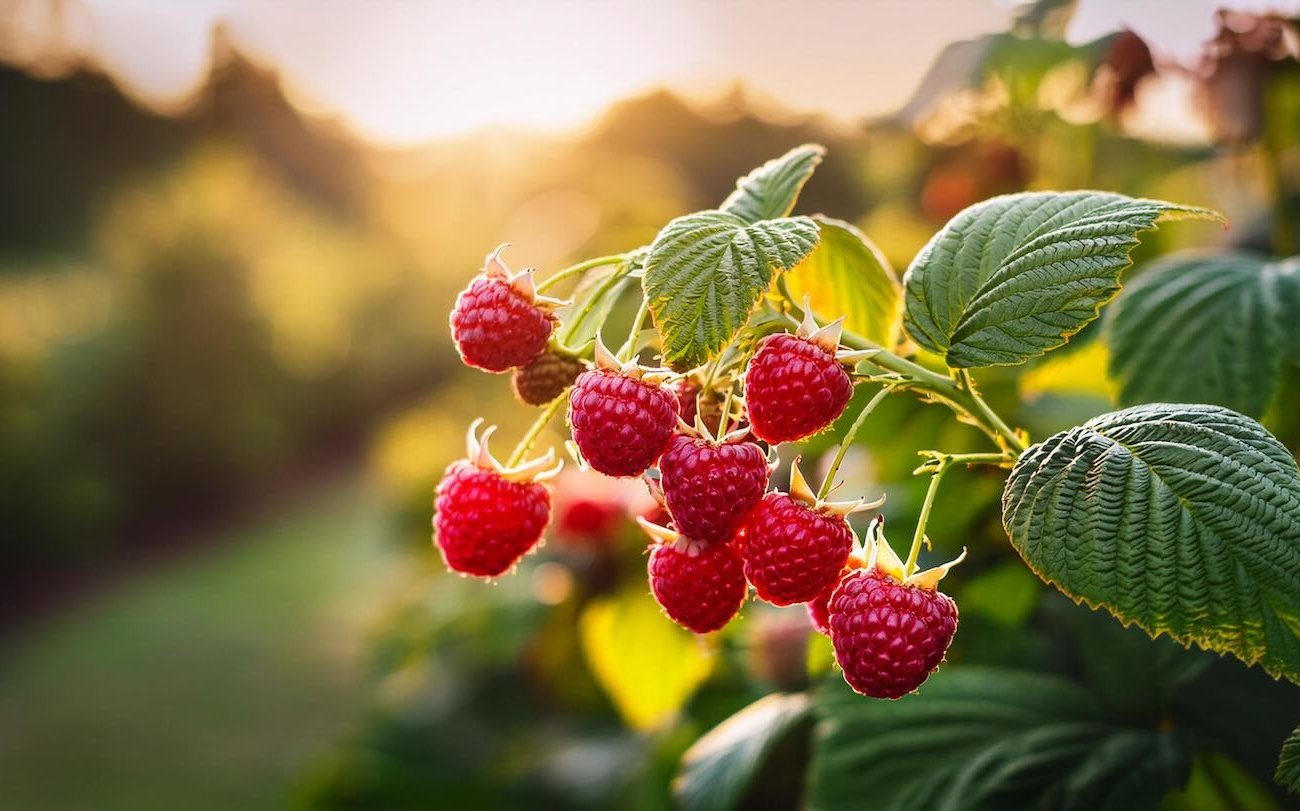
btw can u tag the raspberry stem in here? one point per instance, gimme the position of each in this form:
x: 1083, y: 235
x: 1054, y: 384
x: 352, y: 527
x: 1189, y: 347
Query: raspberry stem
x: 957, y: 390
x: 921, y: 520
x: 615, y: 279
x: 829, y: 481
x: 529, y: 438
x: 628, y: 349
x: 581, y: 267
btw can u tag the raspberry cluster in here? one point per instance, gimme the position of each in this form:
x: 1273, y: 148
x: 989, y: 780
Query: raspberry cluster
x: 707, y: 455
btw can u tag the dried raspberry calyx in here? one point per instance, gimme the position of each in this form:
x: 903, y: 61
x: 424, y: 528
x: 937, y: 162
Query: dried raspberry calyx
x: 541, y: 469
x: 879, y: 556
x: 494, y: 267
x: 609, y: 362
x: 828, y: 337
x: 800, y: 491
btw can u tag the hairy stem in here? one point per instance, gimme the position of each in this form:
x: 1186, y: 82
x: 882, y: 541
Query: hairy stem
x: 614, y: 279
x: 628, y: 349
x: 829, y: 481
x: 574, y: 270
x: 924, y: 517
x: 957, y: 393
x: 534, y: 430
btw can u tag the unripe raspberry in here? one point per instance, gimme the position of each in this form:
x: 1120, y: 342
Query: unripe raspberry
x: 545, y: 377
x: 889, y: 636
x: 488, y: 516
x: 710, y: 487
x: 499, y: 322
x: 621, y: 424
x: 699, y: 585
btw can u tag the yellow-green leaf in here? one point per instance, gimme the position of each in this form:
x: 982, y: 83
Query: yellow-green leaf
x: 847, y: 275
x: 647, y: 664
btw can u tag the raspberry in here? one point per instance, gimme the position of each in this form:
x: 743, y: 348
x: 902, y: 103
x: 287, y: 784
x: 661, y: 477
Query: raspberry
x: 488, y: 517
x: 621, y: 424
x: 889, y: 636
x: 700, y: 585
x: 499, y: 322
x: 794, y: 388
x: 545, y: 377
x: 793, y: 551
x: 819, y: 606
x: 711, y: 487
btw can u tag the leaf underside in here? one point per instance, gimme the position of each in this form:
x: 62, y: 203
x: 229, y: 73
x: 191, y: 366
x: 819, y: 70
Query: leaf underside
x: 705, y: 273
x: 1182, y: 519
x: 1206, y: 329
x: 984, y: 738
x: 1014, y: 276
x: 769, y: 191
x: 846, y: 275
x: 719, y: 767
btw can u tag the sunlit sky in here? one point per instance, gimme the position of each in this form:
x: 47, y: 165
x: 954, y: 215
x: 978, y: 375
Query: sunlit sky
x: 405, y: 71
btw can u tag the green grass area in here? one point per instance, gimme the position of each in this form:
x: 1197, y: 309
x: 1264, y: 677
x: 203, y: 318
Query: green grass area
x: 207, y: 683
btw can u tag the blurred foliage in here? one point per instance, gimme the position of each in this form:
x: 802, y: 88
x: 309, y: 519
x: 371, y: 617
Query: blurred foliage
x: 202, y: 308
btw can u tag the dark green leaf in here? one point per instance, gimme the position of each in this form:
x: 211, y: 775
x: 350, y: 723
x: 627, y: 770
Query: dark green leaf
x: 1183, y: 519
x: 720, y: 766
x: 1012, y: 277
x: 706, y: 271
x: 985, y: 738
x: 846, y: 275
x: 1206, y: 329
x: 1288, y: 764
x: 769, y: 191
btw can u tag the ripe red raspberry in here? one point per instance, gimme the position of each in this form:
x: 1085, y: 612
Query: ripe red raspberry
x: 792, y: 551
x: 700, y: 585
x: 499, y: 322
x: 710, y: 487
x: 889, y: 636
x: 488, y: 517
x: 545, y: 377
x: 621, y: 424
x: 819, y: 606
x: 794, y: 388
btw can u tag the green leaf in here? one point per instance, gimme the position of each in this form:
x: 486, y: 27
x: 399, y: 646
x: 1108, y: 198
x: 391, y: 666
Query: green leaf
x: 1183, y: 519
x: 769, y: 191
x: 1014, y: 276
x: 720, y: 766
x: 982, y: 738
x: 1206, y: 329
x: 647, y: 664
x: 1288, y: 764
x: 706, y: 271
x: 847, y: 275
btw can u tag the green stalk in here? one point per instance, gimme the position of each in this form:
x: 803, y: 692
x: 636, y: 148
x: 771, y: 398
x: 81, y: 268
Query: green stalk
x: 829, y: 481
x: 959, y: 393
x: 923, y: 518
x: 574, y: 270
x: 534, y: 430
x: 615, y: 278
x: 628, y: 349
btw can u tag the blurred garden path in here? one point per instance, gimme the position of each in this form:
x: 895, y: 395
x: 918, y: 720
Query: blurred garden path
x: 211, y: 681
